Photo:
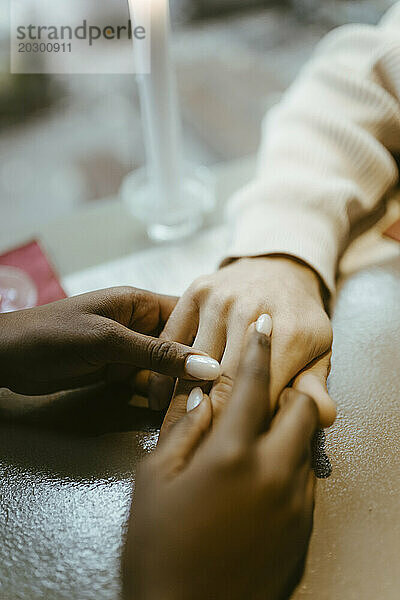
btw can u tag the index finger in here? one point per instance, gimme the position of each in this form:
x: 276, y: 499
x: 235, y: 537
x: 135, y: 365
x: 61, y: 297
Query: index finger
x: 249, y: 411
x: 146, y: 352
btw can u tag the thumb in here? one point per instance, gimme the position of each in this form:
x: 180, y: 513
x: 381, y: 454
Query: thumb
x: 178, y: 444
x: 313, y: 382
x: 161, y: 356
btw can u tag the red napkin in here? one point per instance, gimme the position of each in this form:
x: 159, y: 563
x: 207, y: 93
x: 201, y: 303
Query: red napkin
x: 31, y: 259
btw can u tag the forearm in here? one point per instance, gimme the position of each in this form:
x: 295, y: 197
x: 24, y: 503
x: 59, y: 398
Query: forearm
x: 327, y: 157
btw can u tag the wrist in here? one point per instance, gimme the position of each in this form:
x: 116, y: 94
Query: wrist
x: 292, y: 268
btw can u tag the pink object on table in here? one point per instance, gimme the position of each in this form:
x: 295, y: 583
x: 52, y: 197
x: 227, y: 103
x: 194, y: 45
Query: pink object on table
x: 31, y: 259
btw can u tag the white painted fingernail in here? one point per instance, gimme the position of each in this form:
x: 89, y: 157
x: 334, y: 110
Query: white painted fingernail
x: 195, y: 397
x: 264, y: 325
x: 202, y: 367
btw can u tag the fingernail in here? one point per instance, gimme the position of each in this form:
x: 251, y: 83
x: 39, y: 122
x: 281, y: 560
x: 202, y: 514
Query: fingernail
x: 195, y: 397
x: 264, y: 325
x: 202, y: 367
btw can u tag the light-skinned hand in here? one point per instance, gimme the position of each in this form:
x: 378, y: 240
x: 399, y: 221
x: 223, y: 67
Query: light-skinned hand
x: 216, y: 311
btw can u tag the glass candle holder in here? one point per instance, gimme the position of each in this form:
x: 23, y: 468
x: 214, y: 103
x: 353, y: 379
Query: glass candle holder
x: 17, y: 290
x: 167, y: 221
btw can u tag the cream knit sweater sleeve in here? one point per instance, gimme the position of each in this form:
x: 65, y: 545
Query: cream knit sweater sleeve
x: 328, y: 151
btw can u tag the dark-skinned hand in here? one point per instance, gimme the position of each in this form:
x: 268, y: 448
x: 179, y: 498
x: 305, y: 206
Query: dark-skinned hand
x: 226, y: 512
x: 105, y: 335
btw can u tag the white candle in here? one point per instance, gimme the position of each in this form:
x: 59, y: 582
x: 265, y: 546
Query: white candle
x: 160, y: 113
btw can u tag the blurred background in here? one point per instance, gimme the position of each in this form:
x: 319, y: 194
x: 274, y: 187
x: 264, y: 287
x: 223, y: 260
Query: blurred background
x: 66, y: 141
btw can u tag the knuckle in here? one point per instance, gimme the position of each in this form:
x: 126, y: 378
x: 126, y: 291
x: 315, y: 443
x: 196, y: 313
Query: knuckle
x: 305, y: 403
x: 244, y: 313
x: 126, y: 289
x: 220, y: 300
x: 225, y: 305
x: 105, y: 331
x: 222, y: 390
x: 318, y: 331
x: 110, y: 298
x: 307, y: 331
x: 221, y: 394
x: 305, y: 406
x: 200, y: 287
x: 161, y: 352
x: 143, y: 302
x: 232, y: 457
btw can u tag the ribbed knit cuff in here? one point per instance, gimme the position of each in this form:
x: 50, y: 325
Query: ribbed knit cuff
x: 303, y: 232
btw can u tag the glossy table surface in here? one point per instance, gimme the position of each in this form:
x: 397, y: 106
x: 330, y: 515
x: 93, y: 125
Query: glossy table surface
x: 355, y: 547
x: 67, y: 466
